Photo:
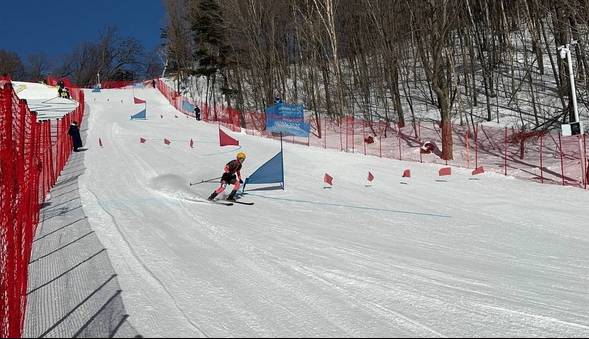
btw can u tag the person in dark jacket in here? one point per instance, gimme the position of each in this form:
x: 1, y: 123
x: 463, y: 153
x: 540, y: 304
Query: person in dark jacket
x: 74, y: 133
x: 196, y: 112
x: 231, y: 175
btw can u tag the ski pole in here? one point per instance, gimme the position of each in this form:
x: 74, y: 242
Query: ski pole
x: 203, y: 181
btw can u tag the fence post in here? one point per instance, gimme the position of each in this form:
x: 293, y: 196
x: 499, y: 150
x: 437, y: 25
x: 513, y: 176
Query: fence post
x: 467, y: 147
x: 586, y: 161
x: 419, y: 140
x: 347, y: 131
x: 341, y: 144
x: 353, y: 134
x: 561, y: 157
x: 380, y: 144
x: 364, y: 134
x: 476, y: 146
x: 505, y: 155
x: 541, y: 158
x: 399, y: 138
x: 325, y: 131
x: 581, y: 142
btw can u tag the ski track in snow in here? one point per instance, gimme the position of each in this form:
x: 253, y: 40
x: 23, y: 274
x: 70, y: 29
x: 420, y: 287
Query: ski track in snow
x: 486, y: 257
x: 146, y: 269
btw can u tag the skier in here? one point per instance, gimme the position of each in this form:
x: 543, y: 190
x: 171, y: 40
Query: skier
x: 232, y: 176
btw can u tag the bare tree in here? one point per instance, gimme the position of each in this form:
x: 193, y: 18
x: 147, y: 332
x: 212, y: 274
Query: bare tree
x: 434, y: 22
x: 37, y: 67
x: 11, y: 64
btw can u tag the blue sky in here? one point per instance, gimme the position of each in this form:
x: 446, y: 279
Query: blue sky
x: 56, y: 27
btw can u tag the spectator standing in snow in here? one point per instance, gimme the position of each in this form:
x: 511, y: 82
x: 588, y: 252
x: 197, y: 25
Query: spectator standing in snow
x: 196, y: 112
x: 74, y: 132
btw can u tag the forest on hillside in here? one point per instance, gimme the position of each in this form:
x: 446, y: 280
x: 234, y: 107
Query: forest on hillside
x: 383, y: 58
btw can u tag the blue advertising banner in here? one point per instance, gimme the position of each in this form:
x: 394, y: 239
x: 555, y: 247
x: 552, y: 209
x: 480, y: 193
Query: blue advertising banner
x: 187, y: 107
x: 287, y: 119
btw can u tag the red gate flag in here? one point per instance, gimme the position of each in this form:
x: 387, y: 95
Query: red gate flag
x: 407, y: 173
x: 328, y: 179
x: 141, y: 140
x: 226, y: 140
x: 370, y: 176
x: 191, y: 143
x: 138, y: 101
x: 445, y: 171
x: 478, y: 170
x: 167, y: 142
x: 100, y: 142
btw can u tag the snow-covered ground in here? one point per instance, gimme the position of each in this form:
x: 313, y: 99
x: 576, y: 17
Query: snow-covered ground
x: 425, y: 256
x: 43, y: 99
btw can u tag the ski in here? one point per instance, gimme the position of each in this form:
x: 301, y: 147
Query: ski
x: 244, y: 203
x: 220, y: 202
x: 204, y: 201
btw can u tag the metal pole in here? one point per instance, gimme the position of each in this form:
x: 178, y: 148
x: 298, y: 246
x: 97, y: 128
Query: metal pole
x: 572, y: 78
x: 561, y: 157
x: 505, y: 146
x: 541, y: 159
x: 282, y: 160
x: 467, y: 149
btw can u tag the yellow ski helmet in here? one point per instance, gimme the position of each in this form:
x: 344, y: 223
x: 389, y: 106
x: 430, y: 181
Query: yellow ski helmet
x: 240, y: 156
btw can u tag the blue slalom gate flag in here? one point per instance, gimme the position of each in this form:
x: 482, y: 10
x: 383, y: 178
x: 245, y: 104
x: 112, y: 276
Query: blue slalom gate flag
x: 142, y: 115
x: 287, y: 119
x: 187, y: 107
x: 269, y: 173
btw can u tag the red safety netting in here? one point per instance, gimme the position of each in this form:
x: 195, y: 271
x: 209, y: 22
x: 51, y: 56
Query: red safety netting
x: 545, y: 157
x: 115, y: 84
x: 225, y: 116
x: 32, y: 154
x: 52, y: 81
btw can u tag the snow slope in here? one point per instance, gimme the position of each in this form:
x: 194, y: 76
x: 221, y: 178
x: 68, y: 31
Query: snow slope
x: 43, y: 100
x: 426, y: 256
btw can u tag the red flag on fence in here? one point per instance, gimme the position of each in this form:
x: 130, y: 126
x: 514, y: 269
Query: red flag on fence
x: 328, y: 179
x: 478, y: 170
x: 370, y: 176
x: 191, y: 143
x: 167, y: 142
x: 445, y: 171
x: 138, y: 101
x: 226, y: 140
x: 100, y: 142
x: 141, y: 140
x: 407, y: 173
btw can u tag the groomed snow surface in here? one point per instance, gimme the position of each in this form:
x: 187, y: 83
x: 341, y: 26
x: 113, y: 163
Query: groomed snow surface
x: 425, y: 256
x: 43, y: 99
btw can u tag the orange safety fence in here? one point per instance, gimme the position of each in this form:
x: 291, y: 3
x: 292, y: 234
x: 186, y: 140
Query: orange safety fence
x: 32, y: 155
